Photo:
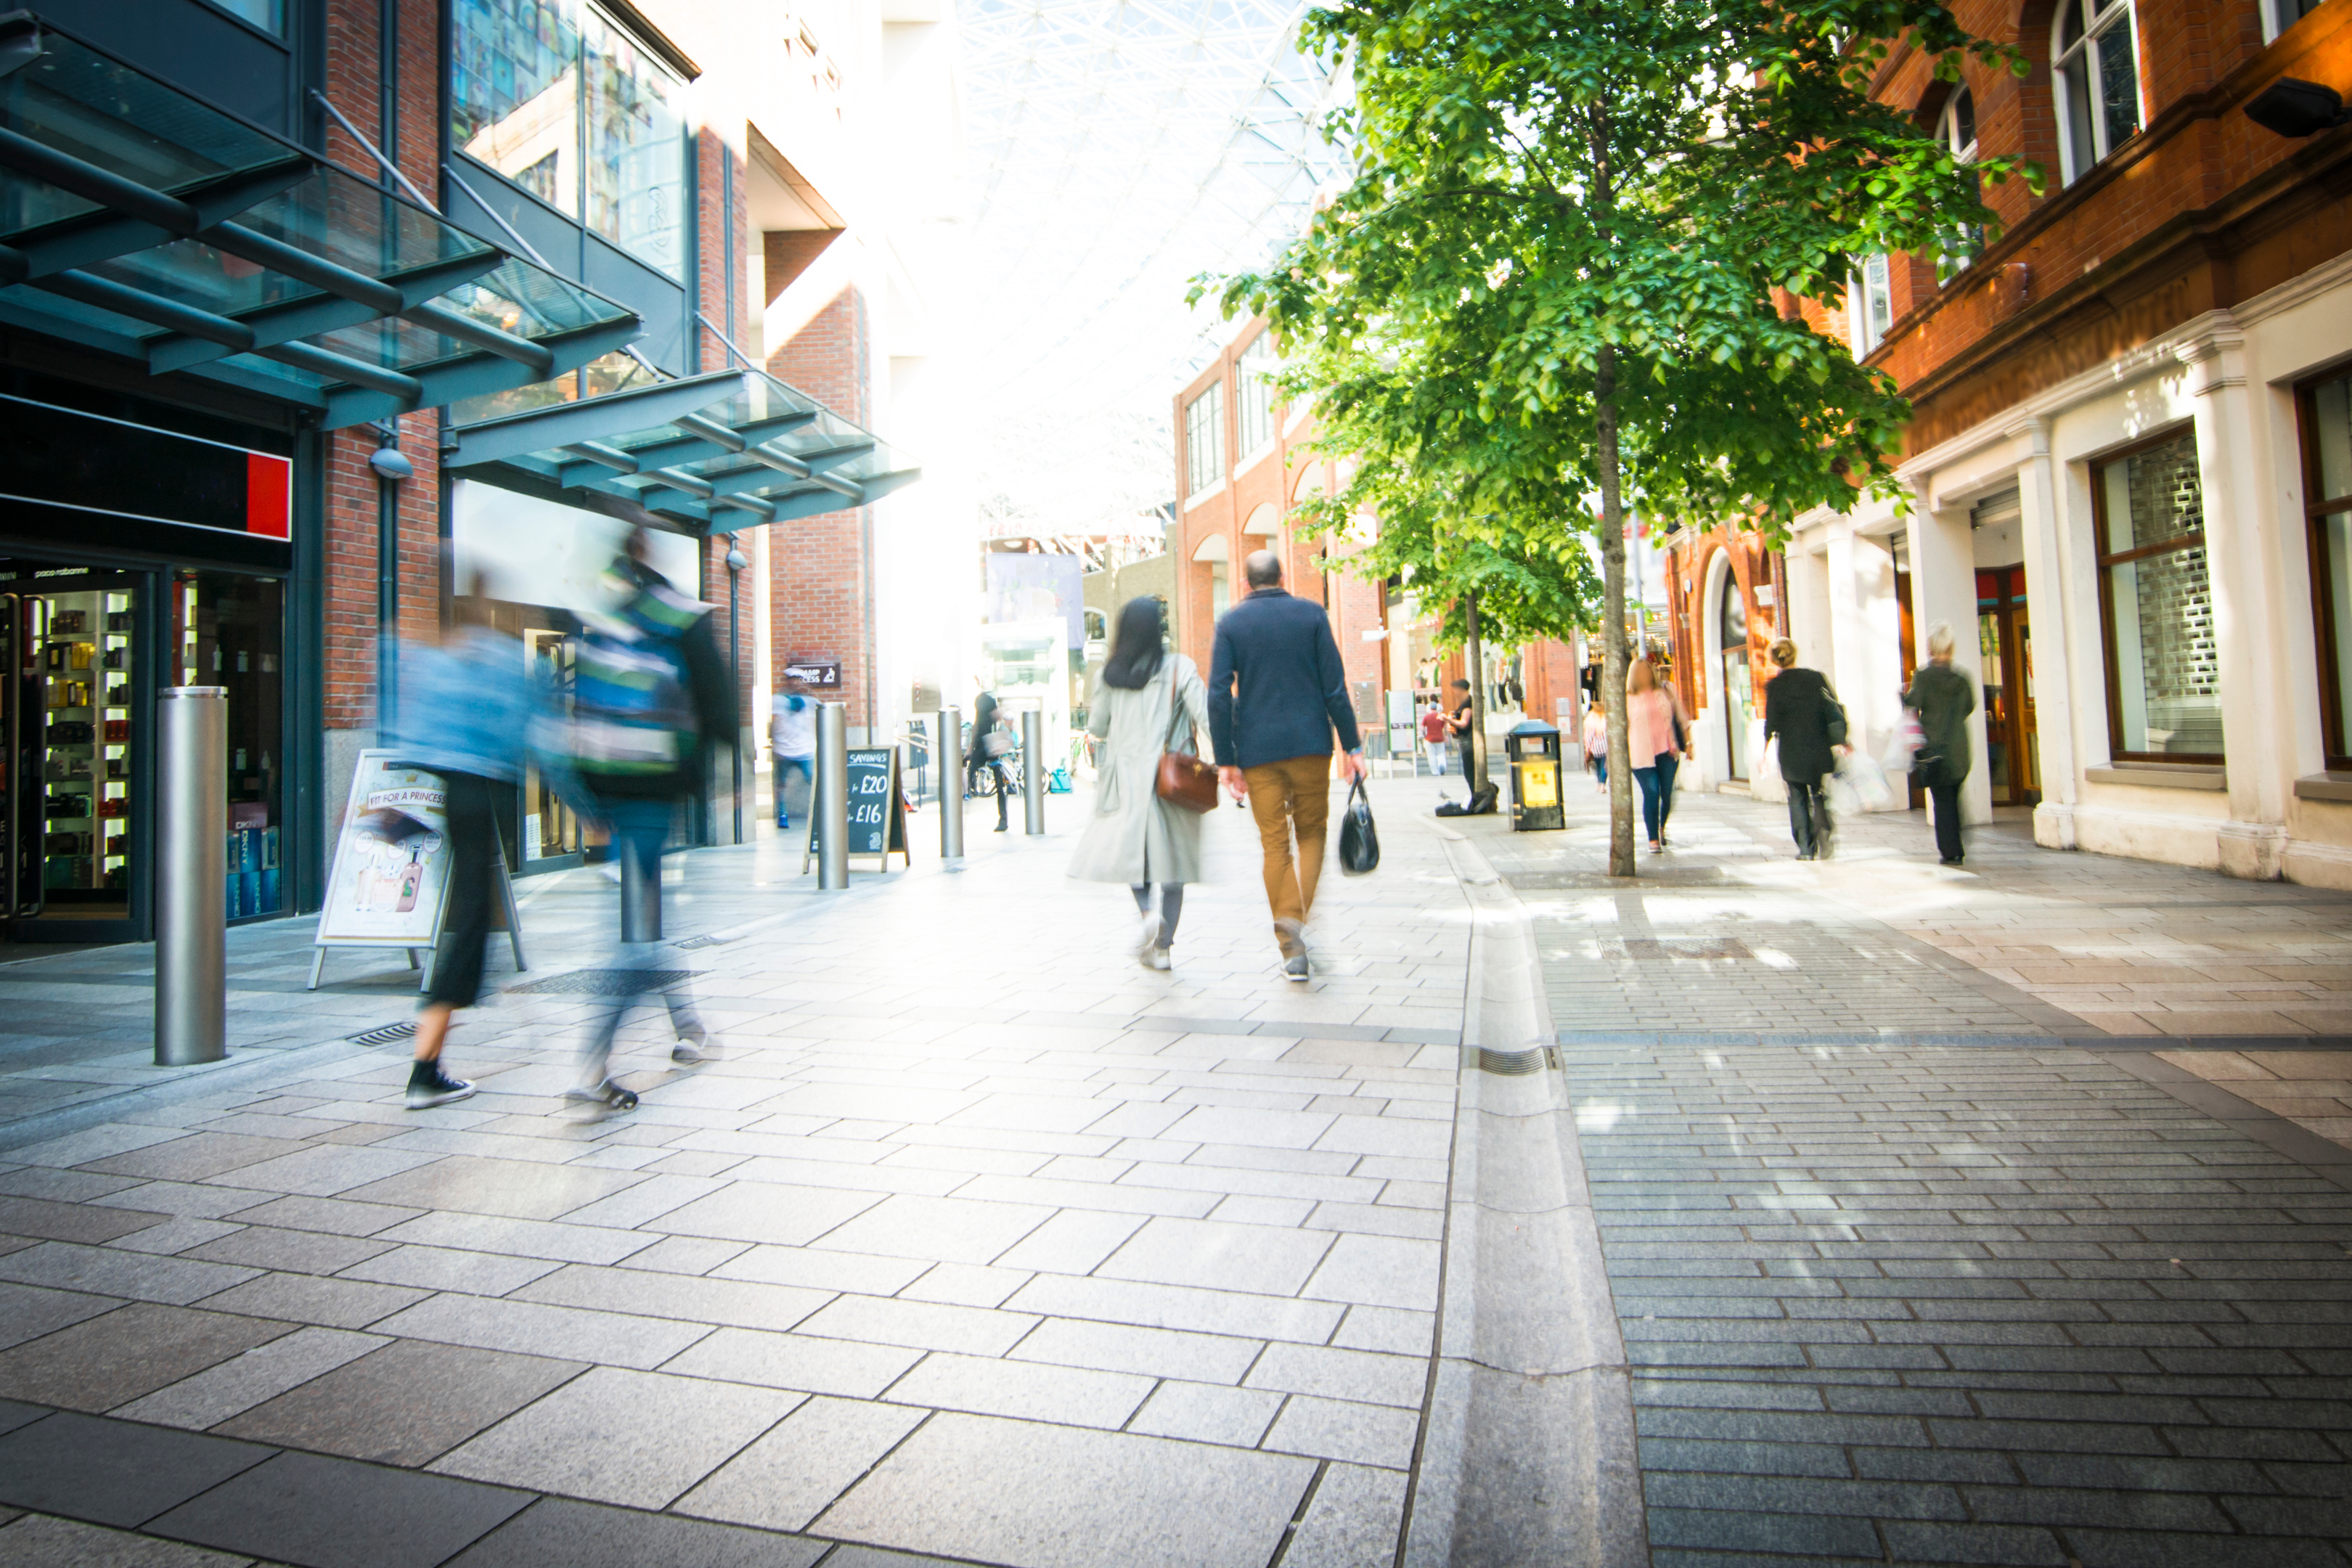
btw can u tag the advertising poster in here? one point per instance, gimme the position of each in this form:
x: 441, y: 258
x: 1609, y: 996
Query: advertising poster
x: 392, y: 865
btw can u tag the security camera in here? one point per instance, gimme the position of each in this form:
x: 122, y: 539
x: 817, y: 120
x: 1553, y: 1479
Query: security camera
x: 2295, y: 108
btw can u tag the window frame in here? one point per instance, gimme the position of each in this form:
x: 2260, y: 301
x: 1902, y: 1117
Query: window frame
x: 2106, y: 563
x: 2336, y: 744
x: 1198, y: 477
x: 1960, y: 251
x: 2097, y: 23
x: 1866, y: 340
x: 2275, y: 23
x: 1254, y: 394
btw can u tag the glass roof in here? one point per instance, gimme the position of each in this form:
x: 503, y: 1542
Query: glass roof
x: 713, y: 453
x: 138, y: 220
x: 1119, y: 147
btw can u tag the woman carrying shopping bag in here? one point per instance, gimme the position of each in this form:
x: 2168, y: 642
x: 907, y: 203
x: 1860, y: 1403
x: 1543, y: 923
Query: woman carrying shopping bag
x: 1147, y: 702
x: 1655, y: 740
x: 1943, y: 699
x: 1803, y: 714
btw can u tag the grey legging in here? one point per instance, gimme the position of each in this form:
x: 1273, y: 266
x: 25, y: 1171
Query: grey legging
x: 1172, y: 907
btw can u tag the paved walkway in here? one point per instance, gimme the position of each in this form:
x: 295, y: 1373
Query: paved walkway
x: 1915, y: 1262
x: 980, y: 1242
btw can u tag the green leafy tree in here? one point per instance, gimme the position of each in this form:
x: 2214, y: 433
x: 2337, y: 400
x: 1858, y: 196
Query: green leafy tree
x: 1590, y: 217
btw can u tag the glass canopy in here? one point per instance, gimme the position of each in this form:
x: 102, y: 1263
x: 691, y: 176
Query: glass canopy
x: 139, y: 221
x: 713, y: 453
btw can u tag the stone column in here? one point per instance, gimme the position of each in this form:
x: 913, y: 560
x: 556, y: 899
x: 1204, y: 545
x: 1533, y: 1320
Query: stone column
x: 2256, y: 733
x: 2046, y: 596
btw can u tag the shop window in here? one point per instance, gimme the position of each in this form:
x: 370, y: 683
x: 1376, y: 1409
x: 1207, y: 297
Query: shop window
x: 1255, y: 393
x: 568, y: 106
x: 2096, y: 69
x: 2156, y: 600
x: 2325, y: 412
x: 1204, y: 439
x: 230, y: 633
x: 1872, y: 301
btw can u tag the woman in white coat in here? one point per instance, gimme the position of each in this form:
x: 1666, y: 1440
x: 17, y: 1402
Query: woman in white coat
x: 1148, y: 701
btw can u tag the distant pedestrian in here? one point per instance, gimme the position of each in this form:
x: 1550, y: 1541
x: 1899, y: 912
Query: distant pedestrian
x: 1149, y: 702
x: 1434, y: 731
x: 792, y: 742
x: 467, y: 711
x: 1655, y: 740
x: 650, y: 700
x: 988, y: 749
x: 1804, y: 713
x: 1943, y: 698
x: 1596, y: 743
x: 1277, y: 693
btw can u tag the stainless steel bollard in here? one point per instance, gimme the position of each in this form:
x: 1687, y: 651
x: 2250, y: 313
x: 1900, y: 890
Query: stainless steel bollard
x: 1033, y: 771
x: 950, y: 746
x: 831, y: 797
x: 191, y: 875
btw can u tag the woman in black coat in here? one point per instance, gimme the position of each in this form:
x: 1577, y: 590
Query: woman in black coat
x: 1801, y: 708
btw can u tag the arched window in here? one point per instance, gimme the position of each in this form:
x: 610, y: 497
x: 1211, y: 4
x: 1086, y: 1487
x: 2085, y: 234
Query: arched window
x: 1956, y: 128
x: 2097, y: 75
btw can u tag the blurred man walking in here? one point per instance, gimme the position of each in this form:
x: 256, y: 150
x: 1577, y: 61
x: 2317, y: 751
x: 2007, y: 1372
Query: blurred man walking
x: 650, y: 698
x: 1276, y: 694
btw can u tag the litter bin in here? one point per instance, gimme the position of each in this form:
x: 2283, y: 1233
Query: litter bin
x: 1534, y: 751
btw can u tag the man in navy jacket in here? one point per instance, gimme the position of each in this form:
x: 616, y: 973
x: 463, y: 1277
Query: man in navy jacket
x: 1277, y: 693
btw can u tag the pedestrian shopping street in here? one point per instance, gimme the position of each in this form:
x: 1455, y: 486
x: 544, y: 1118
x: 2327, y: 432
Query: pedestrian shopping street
x: 1867, y: 1211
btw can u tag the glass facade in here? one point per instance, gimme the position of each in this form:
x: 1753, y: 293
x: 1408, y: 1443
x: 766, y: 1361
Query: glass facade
x: 2163, y: 666
x: 564, y: 103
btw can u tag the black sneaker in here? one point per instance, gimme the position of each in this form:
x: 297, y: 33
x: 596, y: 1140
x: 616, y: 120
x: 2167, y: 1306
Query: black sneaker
x: 428, y: 1086
x: 605, y: 1096
x: 1295, y: 969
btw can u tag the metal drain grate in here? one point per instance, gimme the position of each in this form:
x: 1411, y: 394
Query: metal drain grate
x: 605, y: 982
x: 696, y: 943
x: 1514, y: 1064
x: 385, y: 1036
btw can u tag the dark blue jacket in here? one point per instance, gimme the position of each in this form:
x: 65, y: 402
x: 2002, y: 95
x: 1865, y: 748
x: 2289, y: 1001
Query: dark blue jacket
x: 1277, y: 689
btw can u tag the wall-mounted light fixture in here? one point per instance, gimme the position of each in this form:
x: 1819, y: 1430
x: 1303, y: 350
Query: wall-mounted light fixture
x: 2295, y: 108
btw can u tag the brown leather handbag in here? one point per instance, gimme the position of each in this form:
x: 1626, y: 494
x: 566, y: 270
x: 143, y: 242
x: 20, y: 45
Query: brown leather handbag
x: 1184, y: 779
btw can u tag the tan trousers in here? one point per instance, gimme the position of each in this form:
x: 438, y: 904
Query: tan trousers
x: 1287, y: 797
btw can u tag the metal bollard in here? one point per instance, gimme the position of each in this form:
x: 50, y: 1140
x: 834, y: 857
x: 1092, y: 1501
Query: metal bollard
x: 832, y: 808
x: 640, y: 900
x: 1033, y: 771
x: 950, y: 745
x: 191, y: 875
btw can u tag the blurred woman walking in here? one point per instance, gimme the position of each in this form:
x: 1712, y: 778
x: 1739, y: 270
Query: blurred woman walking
x: 1149, y: 701
x: 1804, y: 713
x: 1653, y: 741
x: 1943, y: 698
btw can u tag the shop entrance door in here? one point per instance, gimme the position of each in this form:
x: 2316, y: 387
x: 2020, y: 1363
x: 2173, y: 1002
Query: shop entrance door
x: 1738, y: 678
x: 70, y: 827
x: 550, y: 830
x: 2005, y: 647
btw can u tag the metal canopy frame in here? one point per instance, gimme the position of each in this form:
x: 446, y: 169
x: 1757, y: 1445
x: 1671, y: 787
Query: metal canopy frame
x: 140, y: 221
x: 708, y: 453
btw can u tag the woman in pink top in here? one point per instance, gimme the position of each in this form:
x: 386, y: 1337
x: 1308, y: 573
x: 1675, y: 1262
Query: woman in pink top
x: 1650, y: 714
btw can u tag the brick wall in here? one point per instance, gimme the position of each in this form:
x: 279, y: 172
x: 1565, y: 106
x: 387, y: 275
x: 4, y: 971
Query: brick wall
x: 818, y: 567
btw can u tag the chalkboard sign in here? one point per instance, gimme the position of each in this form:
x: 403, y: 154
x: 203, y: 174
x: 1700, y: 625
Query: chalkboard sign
x: 877, y: 811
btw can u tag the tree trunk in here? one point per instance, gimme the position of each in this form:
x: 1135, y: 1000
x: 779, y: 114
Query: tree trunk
x: 1615, y: 653
x: 1474, y: 763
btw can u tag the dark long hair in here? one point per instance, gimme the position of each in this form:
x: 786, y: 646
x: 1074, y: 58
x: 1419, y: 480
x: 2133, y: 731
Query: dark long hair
x: 1134, y: 652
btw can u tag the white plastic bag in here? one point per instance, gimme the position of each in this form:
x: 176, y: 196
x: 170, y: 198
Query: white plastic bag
x: 1843, y: 801
x: 1867, y: 780
x: 1905, y: 744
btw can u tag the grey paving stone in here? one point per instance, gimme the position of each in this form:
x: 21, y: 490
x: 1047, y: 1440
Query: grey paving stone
x: 403, y: 1404
x: 106, y: 1271
x: 1335, y: 1429
x: 1056, y: 1497
x: 564, y: 1243
x: 1024, y: 1391
x: 1379, y: 1271
x: 733, y: 1302
x: 1074, y: 1241
x: 765, y: 1211
x: 112, y: 1472
x: 516, y: 1189
x: 611, y: 1339
x: 307, y: 1298
x: 1729, y: 1531
x: 952, y: 1230
x: 134, y: 1351
x: 803, y: 1362
x: 1360, y: 1375
x: 297, y: 1251
x: 1207, y: 1413
x: 1262, y: 1260
x: 332, y: 1216
x: 321, y: 1171
x: 2005, y: 1545
x: 635, y: 1438
x: 333, y: 1513
x: 925, y: 1325
x: 1179, y: 1307
x: 39, y: 1217
x: 28, y: 1311
x: 818, y: 1270
x: 267, y: 1371
x: 792, y: 1472
x: 1156, y: 1352
x: 446, y: 1269
x: 193, y: 1158
x: 585, y: 1535
x: 684, y: 1255
x: 98, y: 1142
x: 1352, y: 1521
x: 38, y: 1540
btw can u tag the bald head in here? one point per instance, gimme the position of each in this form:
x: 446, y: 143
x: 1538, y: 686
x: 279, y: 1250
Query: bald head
x: 1263, y: 569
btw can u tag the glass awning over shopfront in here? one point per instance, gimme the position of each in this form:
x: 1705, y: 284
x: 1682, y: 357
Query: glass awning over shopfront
x: 140, y: 222
x: 711, y: 453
